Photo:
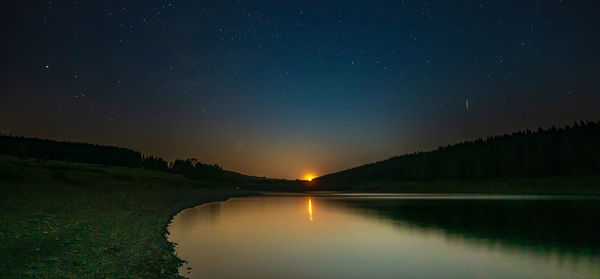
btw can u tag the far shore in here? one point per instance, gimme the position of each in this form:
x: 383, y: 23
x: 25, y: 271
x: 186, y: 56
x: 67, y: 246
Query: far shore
x: 560, y: 185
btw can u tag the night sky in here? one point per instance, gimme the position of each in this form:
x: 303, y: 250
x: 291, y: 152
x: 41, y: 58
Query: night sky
x: 286, y: 88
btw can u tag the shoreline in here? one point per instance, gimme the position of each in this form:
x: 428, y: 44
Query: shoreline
x: 166, y: 228
x: 174, y: 244
x: 65, y: 219
x: 558, y: 185
x: 76, y: 220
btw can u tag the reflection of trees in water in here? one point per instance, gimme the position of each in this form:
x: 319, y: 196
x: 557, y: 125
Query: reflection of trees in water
x: 205, y: 213
x: 212, y: 212
x: 565, y: 227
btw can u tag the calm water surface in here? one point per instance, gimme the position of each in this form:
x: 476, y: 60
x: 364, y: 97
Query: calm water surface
x: 390, y: 236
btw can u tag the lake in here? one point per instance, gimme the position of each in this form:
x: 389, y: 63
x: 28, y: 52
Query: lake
x: 390, y: 236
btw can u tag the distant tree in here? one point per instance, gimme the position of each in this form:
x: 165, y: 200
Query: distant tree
x: 155, y: 163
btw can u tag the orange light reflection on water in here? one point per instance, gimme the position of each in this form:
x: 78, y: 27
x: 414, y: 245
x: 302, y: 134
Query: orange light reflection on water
x: 310, y: 215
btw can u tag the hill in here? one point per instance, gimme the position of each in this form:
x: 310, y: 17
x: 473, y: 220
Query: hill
x: 77, y: 152
x: 45, y: 149
x: 570, y: 151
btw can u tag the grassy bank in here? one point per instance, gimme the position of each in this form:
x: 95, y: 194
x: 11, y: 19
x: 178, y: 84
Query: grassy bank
x: 76, y: 220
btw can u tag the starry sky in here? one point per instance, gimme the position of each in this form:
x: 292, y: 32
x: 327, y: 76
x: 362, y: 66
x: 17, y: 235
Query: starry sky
x: 287, y: 88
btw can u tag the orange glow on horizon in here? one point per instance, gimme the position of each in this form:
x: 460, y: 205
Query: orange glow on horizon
x: 309, y: 177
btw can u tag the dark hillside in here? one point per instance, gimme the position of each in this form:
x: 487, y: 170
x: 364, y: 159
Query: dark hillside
x: 23, y: 147
x: 45, y: 149
x: 567, y: 151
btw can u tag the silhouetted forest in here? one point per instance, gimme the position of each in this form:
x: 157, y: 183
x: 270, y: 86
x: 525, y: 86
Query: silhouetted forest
x: 69, y: 151
x: 572, y: 150
x: 194, y: 169
x: 23, y: 147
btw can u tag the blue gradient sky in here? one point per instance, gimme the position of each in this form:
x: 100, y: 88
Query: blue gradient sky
x: 283, y: 88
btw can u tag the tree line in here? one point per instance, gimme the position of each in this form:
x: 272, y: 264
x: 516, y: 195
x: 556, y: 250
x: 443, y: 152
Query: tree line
x: 566, y: 151
x: 45, y: 149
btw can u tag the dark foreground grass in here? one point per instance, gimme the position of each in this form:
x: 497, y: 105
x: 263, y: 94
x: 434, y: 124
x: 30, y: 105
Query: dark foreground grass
x: 72, y: 220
